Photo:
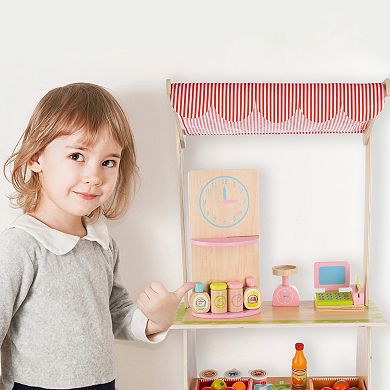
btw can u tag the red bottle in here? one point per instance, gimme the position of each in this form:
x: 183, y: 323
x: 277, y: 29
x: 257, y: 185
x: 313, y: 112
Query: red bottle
x: 299, y: 368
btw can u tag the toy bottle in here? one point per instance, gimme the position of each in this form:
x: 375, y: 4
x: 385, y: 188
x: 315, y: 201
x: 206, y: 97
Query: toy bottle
x: 252, y: 297
x: 200, y: 300
x: 299, y: 368
x: 218, y: 297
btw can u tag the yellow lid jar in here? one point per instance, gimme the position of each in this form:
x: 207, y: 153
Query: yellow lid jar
x: 218, y: 297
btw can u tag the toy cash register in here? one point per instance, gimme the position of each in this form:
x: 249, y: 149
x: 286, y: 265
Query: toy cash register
x: 332, y: 282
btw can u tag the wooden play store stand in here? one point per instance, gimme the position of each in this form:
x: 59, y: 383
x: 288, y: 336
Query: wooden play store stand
x: 222, y: 235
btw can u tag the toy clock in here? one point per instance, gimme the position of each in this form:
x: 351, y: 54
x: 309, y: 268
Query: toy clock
x: 285, y: 294
x: 224, y: 201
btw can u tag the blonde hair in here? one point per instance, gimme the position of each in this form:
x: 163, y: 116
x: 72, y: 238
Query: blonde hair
x: 63, y: 111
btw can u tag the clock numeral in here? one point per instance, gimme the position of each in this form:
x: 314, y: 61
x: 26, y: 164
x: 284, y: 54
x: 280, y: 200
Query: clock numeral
x: 225, y: 222
x: 234, y: 218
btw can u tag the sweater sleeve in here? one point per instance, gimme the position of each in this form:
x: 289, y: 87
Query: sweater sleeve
x: 128, y: 321
x: 16, y: 275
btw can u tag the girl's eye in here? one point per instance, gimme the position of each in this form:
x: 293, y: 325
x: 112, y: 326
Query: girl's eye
x: 109, y: 163
x: 77, y: 156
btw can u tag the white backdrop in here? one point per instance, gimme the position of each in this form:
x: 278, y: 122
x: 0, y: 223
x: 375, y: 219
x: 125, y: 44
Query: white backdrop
x: 311, y: 187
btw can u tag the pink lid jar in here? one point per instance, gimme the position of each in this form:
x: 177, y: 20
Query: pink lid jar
x: 235, y: 297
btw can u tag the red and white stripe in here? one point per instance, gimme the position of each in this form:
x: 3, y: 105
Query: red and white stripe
x: 253, y: 108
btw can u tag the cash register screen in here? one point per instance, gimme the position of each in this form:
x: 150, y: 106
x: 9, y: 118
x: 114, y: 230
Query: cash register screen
x: 331, y: 275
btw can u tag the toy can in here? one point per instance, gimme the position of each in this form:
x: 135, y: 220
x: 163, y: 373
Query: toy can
x: 218, y: 297
x: 258, y: 375
x: 235, y: 297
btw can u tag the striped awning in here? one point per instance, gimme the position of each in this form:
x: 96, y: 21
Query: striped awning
x: 275, y: 108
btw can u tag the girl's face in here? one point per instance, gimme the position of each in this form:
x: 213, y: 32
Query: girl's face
x: 76, y: 179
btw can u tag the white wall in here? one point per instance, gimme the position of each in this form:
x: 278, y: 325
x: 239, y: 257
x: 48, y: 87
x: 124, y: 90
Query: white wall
x: 131, y: 47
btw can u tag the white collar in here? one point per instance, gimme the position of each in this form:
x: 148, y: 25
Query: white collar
x: 58, y: 242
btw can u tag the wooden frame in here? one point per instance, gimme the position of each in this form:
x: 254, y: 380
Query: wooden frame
x: 363, y: 354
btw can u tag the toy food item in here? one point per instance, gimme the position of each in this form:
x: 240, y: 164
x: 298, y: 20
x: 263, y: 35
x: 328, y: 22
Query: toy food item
x: 261, y: 386
x: 258, y: 374
x: 299, y: 368
x: 233, y: 373
x: 239, y: 385
x: 200, y: 300
x: 341, y: 385
x: 218, y: 297
x: 282, y: 386
x: 252, y: 297
x: 326, y: 388
x: 235, y: 297
x: 218, y: 384
x: 208, y: 374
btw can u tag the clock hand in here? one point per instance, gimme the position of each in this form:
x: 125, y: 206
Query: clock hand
x: 225, y: 199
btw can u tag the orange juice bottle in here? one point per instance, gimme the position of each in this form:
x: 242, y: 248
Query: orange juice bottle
x: 299, y: 368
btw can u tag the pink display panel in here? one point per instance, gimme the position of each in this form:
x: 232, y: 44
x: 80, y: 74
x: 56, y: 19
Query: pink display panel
x: 331, y: 275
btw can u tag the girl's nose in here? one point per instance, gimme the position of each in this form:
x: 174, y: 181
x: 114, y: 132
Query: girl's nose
x: 92, y: 179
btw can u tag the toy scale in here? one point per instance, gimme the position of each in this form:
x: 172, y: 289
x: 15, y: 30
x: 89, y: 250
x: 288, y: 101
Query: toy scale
x: 285, y: 294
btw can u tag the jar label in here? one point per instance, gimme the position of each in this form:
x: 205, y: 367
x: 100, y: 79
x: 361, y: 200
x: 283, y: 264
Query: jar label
x: 237, y: 300
x: 298, y: 379
x: 253, y: 299
x: 220, y: 301
x: 200, y: 303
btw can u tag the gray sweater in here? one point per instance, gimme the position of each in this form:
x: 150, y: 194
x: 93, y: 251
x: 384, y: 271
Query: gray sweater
x: 61, y: 304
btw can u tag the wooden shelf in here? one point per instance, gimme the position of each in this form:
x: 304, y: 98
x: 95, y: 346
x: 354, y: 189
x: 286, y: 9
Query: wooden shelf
x: 272, y: 317
x: 225, y: 241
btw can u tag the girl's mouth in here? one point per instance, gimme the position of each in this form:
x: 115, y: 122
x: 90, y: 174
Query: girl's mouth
x: 86, y: 196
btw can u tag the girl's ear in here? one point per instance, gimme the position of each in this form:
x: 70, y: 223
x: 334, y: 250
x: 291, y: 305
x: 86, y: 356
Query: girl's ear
x: 34, y: 164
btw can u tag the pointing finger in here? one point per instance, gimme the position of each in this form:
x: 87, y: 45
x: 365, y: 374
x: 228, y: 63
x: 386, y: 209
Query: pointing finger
x: 181, y: 291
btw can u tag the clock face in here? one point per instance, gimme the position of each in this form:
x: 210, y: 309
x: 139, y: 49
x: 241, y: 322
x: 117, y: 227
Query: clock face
x: 224, y: 201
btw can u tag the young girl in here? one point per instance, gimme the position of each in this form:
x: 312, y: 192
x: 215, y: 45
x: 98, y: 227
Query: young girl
x: 61, y: 300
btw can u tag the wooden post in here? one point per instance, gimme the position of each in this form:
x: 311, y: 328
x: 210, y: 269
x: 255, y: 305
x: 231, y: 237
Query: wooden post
x: 367, y: 133
x: 367, y: 217
x: 179, y: 132
x: 190, y: 369
x: 386, y: 84
x: 363, y: 355
x: 180, y: 145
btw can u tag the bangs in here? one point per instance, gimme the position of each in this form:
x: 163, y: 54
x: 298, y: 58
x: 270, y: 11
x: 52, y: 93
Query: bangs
x: 85, y: 107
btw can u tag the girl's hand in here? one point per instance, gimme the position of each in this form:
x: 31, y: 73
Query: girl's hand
x: 160, y: 305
